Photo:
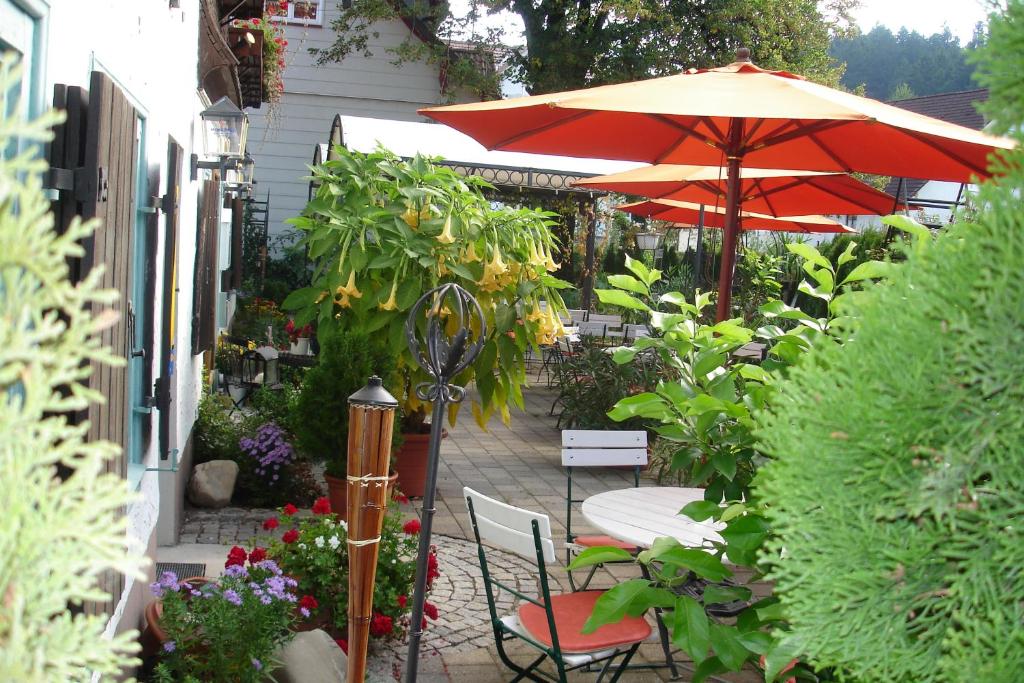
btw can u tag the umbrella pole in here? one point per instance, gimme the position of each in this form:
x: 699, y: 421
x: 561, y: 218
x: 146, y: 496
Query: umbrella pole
x: 698, y: 256
x: 732, y: 210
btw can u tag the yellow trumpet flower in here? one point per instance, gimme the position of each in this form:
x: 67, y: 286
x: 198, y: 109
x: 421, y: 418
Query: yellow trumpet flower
x: 411, y: 216
x: 470, y: 254
x: 348, y: 290
x: 446, y: 234
x: 391, y: 304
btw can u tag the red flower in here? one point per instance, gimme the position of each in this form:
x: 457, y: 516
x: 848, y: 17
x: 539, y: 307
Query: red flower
x: 290, y: 509
x: 381, y: 625
x: 402, y: 600
x: 236, y: 556
x: 257, y: 555
x: 309, y: 602
x: 430, y: 610
x: 343, y: 644
x: 432, y: 570
x: 322, y: 506
x: 401, y: 498
x: 284, y: 43
x: 290, y: 536
x: 271, y: 524
x: 423, y: 624
x: 255, y: 22
x: 411, y: 527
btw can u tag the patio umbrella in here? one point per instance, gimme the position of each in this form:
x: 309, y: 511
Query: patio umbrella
x: 768, y: 191
x: 688, y: 214
x: 730, y: 116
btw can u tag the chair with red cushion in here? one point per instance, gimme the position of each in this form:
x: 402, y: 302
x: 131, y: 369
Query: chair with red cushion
x: 552, y: 624
x: 597, y: 448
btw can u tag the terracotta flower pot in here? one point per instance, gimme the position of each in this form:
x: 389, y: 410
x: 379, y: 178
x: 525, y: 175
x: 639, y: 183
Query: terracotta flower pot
x: 410, y: 461
x: 154, y: 636
x: 337, y: 493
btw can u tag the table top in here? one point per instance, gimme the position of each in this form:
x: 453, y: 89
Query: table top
x: 640, y: 515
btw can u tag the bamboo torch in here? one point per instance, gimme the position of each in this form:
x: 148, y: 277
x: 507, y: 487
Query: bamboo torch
x: 371, y: 420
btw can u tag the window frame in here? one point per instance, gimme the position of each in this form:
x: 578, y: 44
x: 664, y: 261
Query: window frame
x: 290, y: 18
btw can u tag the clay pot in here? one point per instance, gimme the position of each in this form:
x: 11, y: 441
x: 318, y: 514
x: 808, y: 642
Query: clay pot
x: 410, y: 461
x: 154, y: 636
x: 337, y: 493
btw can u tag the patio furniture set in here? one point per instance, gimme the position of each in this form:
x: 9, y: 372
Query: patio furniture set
x: 630, y: 518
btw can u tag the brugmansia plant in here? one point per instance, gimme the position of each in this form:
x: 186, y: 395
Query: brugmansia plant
x: 382, y: 231
x: 899, y: 480
x: 57, y: 534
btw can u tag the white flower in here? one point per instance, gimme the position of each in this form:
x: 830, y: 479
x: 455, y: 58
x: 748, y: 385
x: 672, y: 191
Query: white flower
x: 334, y: 542
x: 319, y: 541
x: 343, y: 524
x: 302, y: 546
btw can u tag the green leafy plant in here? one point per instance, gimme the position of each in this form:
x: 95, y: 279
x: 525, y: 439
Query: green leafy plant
x: 227, y: 630
x: 320, y: 415
x: 382, y: 231
x: 314, y: 549
x: 57, y: 533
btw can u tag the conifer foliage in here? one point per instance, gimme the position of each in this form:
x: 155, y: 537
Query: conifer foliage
x: 898, y: 480
x: 57, y: 535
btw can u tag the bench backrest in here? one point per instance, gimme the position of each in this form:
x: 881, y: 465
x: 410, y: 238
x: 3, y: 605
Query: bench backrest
x: 599, y: 447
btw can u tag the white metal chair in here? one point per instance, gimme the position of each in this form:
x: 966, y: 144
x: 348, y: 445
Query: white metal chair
x: 551, y: 624
x: 597, y: 448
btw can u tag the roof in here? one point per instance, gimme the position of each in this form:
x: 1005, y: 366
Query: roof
x: 954, y: 107
x: 408, y: 138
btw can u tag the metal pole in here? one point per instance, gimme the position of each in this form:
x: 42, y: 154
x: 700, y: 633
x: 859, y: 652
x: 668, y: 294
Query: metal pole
x: 443, y: 357
x: 698, y: 256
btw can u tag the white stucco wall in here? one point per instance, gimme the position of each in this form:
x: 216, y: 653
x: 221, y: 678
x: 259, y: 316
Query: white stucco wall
x: 150, y: 51
x: 359, y: 86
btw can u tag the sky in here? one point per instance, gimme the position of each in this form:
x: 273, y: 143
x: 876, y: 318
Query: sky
x: 924, y: 16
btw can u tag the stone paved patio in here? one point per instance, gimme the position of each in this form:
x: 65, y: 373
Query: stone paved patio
x: 519, y: 464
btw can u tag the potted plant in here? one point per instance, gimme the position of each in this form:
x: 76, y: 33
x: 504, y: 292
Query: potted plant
x: 382, y: 231
x: 299, y: 338
x: 314, y: 550
x: 226, y: 629
x: 320, y: 415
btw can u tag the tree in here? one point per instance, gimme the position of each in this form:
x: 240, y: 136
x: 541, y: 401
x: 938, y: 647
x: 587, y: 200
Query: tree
x: 57, y: 534
x: 594, y: 42
x: 898, y: 469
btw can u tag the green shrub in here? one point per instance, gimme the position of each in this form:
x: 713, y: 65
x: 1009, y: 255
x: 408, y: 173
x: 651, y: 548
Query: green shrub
x: 898, y: 481
x: 320, y: 416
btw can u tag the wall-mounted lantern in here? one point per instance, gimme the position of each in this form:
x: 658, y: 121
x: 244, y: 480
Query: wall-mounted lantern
x: 225, y: 127
x: 648, y: 241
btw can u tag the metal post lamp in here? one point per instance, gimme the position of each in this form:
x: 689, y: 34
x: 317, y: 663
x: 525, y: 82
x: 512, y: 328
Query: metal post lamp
x: 443, y: 355
x: 371, y: 421
x: 225, y: 128
x: 648, y: 241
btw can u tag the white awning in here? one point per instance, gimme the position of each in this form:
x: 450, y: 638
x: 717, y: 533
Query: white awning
x: 407, y: 138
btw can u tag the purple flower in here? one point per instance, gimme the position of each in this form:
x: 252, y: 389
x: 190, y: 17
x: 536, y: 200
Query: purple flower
x: 169, y: 646
x: 236, y: 570
x: 270, y: 566
x: 304, y: 612
x: 157, y: 590
x: 195, y: 593
x: 269, y: 448
x: 232, y: 597
x: 257, y: 664
x: 265, y: 599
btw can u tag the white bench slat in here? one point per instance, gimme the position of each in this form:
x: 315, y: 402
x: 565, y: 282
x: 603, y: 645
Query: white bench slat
x: 603, y: 438
x: 514, y: 541
x: 595, y: 457
x: 517, y: 519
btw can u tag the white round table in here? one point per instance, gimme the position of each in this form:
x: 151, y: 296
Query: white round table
x: 640, y: 515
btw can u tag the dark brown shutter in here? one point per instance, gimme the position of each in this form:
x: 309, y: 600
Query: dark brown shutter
x: 94, y: 159
x: 204, y: 300
x: 168, y: 351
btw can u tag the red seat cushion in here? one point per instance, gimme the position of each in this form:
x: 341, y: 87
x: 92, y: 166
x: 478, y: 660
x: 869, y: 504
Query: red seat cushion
x: 593, y: 541
x: 571, y: 611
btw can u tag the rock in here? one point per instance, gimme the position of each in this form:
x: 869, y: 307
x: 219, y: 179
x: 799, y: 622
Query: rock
x: 213, y: 483
x: 311, y: 657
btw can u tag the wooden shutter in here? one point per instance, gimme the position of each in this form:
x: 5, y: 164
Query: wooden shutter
x: 204, y: 299
x: 165, y: 382
x: 93, y: 161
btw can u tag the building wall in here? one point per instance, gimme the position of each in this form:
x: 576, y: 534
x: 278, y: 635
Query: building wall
x: 150, y: 51
x: 282, y: 143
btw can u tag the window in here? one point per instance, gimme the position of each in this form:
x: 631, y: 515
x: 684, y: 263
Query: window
x: 307, y: 12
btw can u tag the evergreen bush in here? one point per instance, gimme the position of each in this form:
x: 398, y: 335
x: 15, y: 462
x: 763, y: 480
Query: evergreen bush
x: 898, y: 483
x: 57, y: 534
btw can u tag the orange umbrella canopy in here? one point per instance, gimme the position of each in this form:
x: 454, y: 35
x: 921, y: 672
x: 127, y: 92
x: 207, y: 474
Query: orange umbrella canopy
x: 768, y: 191
x: 785, y: 121
x: 688, y: 214
x: 736, y: 115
